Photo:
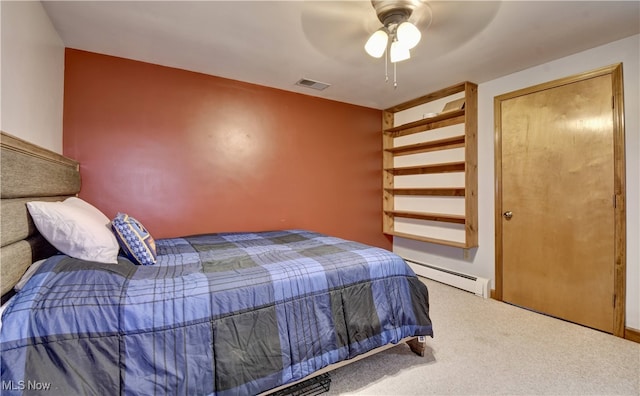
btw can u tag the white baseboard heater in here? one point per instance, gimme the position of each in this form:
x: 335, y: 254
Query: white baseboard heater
x: 470, y: 283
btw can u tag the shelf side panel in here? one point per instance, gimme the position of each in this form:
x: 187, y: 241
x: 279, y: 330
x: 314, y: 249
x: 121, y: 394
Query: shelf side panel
x: 471, y: 160
x: 387, y: 177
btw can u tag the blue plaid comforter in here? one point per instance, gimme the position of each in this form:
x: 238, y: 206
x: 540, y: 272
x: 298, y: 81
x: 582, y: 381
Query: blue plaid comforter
x: 221, y: 314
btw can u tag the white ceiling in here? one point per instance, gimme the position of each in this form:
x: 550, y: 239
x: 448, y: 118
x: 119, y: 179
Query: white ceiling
x: 275, y: 43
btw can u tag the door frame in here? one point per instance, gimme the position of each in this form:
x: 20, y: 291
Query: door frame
x: 620, y: 233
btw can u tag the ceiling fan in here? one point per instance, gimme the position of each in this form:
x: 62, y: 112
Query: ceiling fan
x: 397, y: 33
x: 340, y: 29
x: 396, y: 28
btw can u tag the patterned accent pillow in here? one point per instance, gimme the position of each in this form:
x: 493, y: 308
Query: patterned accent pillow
x: 134, y: 239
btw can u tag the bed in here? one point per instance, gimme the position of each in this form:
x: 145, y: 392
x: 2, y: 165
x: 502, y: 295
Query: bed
x: 223, y: 314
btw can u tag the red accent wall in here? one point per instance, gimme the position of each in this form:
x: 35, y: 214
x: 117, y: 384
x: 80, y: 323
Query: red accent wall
x: 188, y: 153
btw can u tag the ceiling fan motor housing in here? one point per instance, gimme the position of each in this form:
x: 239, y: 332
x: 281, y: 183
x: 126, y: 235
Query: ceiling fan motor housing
x: 394, y: 11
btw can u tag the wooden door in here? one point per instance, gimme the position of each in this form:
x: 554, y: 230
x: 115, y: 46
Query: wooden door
x: 558, y: 193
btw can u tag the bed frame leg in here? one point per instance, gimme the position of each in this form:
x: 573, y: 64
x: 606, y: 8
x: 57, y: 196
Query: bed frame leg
x: 418, y: 345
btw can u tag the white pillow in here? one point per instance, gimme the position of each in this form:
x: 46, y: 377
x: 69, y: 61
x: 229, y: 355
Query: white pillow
x: 76, y: 228
x: 92, y: 210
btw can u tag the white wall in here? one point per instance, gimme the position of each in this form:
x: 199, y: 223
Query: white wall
x: 32, y: 75
x: 481, y: 261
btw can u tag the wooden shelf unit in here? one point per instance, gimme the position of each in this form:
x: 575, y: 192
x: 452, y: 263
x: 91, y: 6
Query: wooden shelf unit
x: 468, y: 141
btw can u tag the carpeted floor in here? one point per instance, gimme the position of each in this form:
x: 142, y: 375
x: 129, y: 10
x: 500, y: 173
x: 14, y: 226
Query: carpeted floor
x: 485, y: 347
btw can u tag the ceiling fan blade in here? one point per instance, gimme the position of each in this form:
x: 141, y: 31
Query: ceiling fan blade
x: 453, y: 24
x: 339, y: 29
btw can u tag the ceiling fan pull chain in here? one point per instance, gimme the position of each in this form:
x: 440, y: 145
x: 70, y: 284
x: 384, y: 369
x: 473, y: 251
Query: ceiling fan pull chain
x: 395, y: 79
x: 386, y: 66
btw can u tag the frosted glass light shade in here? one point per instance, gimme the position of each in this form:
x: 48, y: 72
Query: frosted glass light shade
x: 408, y: 35
x: 377, y: 43
x: 398, y: 52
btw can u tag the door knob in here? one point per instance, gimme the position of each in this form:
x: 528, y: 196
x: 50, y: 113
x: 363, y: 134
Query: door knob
x: 508, y: 215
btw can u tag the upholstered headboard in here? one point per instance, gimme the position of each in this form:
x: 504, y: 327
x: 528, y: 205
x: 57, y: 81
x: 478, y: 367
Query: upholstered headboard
x: 28, y: 173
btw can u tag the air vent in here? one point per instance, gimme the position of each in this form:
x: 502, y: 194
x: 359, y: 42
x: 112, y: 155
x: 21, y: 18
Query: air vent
x: 305, y: 82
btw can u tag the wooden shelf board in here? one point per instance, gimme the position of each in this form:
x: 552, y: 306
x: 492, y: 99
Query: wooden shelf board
x: 454, y: 89
x: 428, y: 127
x: 441, y: 144
x: 428, y: 239
x: 432, y: 168
x: 426, y: 121
x: 436, y: 191
x: 442, y: 217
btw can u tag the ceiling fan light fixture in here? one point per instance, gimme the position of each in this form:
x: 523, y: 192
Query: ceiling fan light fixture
x: 398, y: 52
x: 377, y: 43
x: 396, y: 33
x: 408, y: 34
